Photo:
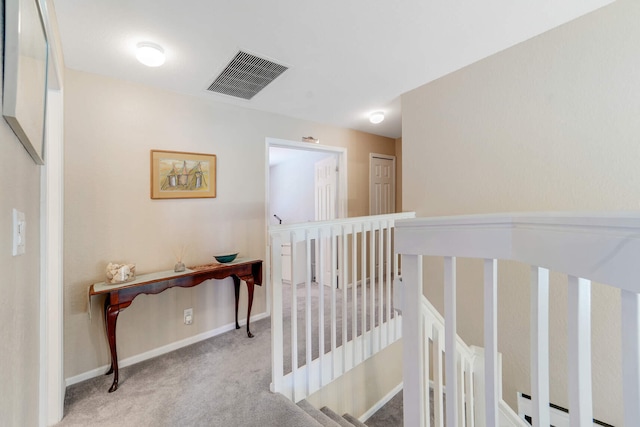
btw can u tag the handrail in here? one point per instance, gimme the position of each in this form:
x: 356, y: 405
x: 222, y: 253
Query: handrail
x: 604, y: 247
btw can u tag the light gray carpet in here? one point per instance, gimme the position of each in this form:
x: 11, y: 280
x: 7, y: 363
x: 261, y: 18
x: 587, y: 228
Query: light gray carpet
x: 223, y: 381
x: 391, y: 416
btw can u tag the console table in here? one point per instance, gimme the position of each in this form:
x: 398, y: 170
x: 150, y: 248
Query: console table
x: 120, y: 296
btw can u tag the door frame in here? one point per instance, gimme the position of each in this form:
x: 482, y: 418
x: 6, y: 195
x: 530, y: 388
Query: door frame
x: 387, y: 157
x: 52, y: 384
x: 340, y: 152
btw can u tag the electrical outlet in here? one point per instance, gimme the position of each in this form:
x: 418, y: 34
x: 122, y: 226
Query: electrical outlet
x: 188, y: 316
x: 19, y: 232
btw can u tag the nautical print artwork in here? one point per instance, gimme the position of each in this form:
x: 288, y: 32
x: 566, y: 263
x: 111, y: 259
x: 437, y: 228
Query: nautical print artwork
x: 177, y: 175
x: 182, y: 175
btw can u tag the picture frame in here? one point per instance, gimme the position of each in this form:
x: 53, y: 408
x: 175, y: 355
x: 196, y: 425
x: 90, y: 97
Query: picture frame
x: 181, y: 175
x: 25, y: 74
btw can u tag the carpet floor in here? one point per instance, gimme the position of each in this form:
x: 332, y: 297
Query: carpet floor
x: 222, y: 381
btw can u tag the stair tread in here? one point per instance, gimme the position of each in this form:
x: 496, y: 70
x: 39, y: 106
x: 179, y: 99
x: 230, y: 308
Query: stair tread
x: 335, y: 417
x: 353, y: 420
x: 316, y: 414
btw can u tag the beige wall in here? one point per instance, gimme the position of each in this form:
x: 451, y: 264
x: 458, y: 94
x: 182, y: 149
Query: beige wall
x: 399, y: 175
x: 357, y: 391
x: 550, y: 124
x: 20, y: 284
x: 359, y: 146
x: 110, y: 127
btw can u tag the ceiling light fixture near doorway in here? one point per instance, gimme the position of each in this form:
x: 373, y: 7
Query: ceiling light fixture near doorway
x: 376, y: 117
x: 150, y: 54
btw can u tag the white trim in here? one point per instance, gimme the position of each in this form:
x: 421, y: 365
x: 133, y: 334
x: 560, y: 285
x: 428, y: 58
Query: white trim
x: 562, y: 242
x: 375, y: 408
x: 51, y: 354
x: 558, y: 418
x: 509, y: 417
x: 395, y: 190
x: 161, y: 350
x: 341, y: 152
x: 52, y: 387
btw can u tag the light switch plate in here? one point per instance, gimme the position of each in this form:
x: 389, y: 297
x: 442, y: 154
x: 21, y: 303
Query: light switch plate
x: 19, y: 232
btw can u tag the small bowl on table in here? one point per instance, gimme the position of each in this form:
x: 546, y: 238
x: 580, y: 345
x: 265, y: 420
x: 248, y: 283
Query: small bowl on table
x: 223, y: 259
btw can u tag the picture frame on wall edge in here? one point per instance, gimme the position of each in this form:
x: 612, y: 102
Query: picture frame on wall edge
x: 25, y: 75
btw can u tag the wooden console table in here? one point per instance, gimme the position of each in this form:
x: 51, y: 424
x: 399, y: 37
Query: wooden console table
x: 120, y: 296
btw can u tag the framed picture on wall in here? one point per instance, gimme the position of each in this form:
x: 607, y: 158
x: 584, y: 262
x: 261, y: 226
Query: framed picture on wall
x: 25, y: 74
x: 178, y: 175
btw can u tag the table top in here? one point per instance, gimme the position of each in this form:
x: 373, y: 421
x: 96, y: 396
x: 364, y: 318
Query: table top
x: 104, y: 288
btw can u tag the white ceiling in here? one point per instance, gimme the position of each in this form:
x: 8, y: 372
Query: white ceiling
x: 347, y: 58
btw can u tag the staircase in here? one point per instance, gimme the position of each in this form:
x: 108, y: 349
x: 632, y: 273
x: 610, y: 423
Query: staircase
x: 578, y: 248
x: 328, y: 418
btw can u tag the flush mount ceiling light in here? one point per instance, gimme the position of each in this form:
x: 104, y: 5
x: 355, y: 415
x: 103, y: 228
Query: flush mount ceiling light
x: 376, y: 117
x: 150, y: 54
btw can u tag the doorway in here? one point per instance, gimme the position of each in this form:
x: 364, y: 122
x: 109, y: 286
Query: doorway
x: 300, y: 187
x: 382, y: 184
x: 290, y: 191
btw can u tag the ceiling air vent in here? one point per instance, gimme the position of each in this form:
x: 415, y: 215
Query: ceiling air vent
x: 246, y: 75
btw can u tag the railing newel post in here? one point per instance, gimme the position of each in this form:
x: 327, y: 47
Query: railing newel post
x: 413, y: 353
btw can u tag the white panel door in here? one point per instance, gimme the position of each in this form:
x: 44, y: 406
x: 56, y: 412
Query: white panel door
x: 382, y: 187
x: 326, y: 183
x: 382, y: 194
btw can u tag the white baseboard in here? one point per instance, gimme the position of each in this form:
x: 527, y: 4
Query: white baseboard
x: 558, y: 417
x: 161, y: 350
x: 509, y: 417
x: 364, y: 417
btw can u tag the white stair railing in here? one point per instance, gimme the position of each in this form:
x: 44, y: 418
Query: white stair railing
x: 464, y: 366
x: 331, y: 285
x: 599, y: 247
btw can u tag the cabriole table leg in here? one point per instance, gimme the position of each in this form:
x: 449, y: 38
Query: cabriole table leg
x: 112, y: 317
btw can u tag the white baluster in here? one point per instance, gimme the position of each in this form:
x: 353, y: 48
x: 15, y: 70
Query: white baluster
x: 334, y: 283
x: 379, y: 344
x: 307, y: 311
x: 413, y: 370
x: 540, y: 346
x: 345, y: 278
x: 630, y: 313
x: 294, y: 317
x: 277, y: 340
x: 460, y: 394
x: 397, y: 332
x: 438, y: 377
x: 372, y: 289
x: 491, y: 385
x: 363, y: 302
x: 389, y: 264
x: 427, y: 327
x: 354, y: 291
x: 470, y: 404
x: 320, y: 243
x: 450, y: 340
x: 579, y: 352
